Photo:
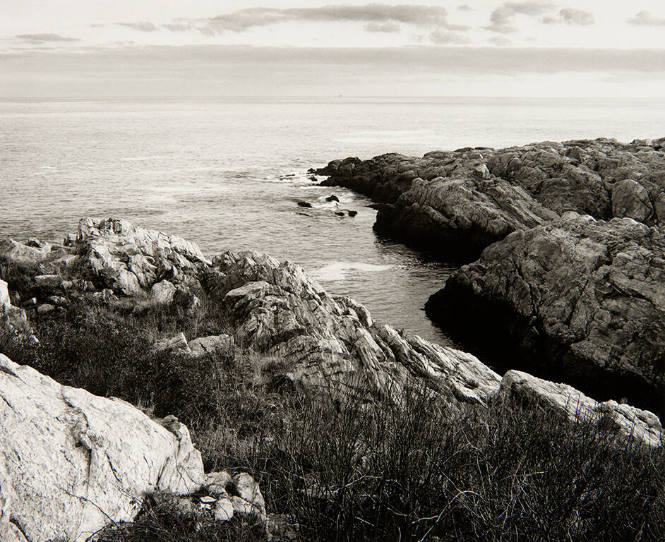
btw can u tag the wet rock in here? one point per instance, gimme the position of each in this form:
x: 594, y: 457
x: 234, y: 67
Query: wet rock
x: 332, y: 198
x: 304, y: 204
x: 352, y: 213
x: 579, y: 300
x: 71, y: 462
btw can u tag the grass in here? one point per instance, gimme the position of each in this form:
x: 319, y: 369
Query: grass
x: 343, y: 471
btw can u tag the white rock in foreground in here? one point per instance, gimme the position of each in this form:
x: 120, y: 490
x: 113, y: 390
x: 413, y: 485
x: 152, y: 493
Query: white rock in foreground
x: 72, y: 462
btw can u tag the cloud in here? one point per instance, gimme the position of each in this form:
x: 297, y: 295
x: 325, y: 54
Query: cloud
x: 178, y: 26
x: 572, y: 17
x: 388, y: 27
x: 501, y: 18
x: 374, y: 15
x: 447, y: 37
x: 44, y: 38
x: 143, y: 26
x: 645, y: 18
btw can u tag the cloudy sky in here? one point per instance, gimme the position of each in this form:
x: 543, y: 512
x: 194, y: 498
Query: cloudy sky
x: 327, y: 48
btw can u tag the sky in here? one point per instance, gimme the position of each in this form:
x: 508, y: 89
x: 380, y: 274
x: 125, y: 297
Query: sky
x: 539, y: 48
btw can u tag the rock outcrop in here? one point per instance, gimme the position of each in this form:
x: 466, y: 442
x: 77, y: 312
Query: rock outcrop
x: 107, y: 258
x: 586, y: 295
x: 13, y: 319
x: 577, y: 299
x: 332, y: 342
x: 72, y: 461
x: 571, y: 405
x: 456, y: 203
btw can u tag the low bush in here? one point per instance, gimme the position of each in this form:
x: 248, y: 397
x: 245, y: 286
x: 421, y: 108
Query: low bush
x: 346, y: 470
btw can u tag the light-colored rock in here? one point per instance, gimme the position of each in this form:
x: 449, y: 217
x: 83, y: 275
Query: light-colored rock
x: 224, y: 509
x: 331, y: 342
x: 75, y: 461
x: 130, y: 259
x: 178, y: 344
x: 204, y: 346
x: 4, y: 294
x: 623, y: 420
x: 162, y: 292
x: 218, y: 483
x: 110, y: 254
x: 248, y: 490
x: 13, y: 319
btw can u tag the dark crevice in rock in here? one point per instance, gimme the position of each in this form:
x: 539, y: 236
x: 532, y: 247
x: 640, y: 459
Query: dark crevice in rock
x: 503, y: 339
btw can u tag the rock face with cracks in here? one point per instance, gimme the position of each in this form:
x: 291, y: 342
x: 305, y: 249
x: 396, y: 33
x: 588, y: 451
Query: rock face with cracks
x: 584, y: 298
x: 332, y: 342
x: 71, y: 462
x: 456, y: 203
x: 108, y: 257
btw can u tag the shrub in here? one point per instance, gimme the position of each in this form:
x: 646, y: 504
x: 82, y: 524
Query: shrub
x: 349, y: 470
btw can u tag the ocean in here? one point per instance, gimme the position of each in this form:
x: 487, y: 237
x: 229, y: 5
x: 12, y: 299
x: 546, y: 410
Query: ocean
x: 228, y: 173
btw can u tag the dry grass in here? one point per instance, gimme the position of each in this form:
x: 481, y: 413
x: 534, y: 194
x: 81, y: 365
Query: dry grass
x: 349, y: 471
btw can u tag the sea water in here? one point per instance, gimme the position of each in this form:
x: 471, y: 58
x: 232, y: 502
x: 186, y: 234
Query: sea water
x: 228, y: 173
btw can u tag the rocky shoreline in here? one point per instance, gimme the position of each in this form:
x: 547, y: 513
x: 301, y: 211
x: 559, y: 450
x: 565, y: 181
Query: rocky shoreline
x: 564, y: 249
x: 323, y: 344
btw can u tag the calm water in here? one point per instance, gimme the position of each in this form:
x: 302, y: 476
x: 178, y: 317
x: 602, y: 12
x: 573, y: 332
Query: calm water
x: 211, y: 171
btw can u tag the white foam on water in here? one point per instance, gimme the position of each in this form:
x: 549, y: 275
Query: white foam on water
x: 339, y: 270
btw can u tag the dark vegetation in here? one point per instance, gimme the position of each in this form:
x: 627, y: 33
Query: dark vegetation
x: 336, y: 469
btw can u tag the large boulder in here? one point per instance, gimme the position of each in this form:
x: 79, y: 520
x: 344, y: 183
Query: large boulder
x: 13, y: 319
x: 71, y: 462
x: 331, y: 342
x: 578, y: 299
